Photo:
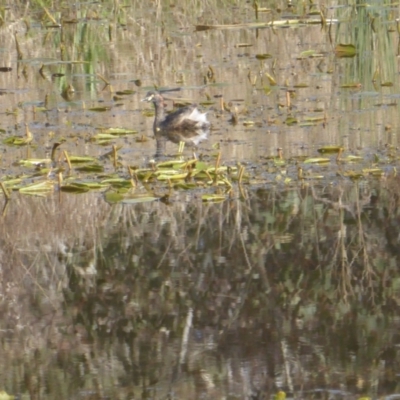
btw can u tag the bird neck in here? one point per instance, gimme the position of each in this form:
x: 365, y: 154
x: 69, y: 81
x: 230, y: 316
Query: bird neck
x: 159, y: 113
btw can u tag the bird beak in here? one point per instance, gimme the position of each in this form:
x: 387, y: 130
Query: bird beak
x: 148, y: 98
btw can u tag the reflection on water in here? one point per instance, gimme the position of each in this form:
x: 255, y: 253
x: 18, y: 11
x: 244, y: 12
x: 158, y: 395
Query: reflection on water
x: 291, y: 290
x: 278, y: 288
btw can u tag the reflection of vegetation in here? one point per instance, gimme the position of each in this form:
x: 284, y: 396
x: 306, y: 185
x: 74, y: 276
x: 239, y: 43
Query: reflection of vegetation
x: 278, y: 273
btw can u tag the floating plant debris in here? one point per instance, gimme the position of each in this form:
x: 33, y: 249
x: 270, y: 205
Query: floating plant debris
x: 345, y: 50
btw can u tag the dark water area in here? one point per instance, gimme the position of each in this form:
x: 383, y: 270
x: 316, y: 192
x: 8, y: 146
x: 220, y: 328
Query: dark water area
x: 286, y: 288
x: 291, y: 290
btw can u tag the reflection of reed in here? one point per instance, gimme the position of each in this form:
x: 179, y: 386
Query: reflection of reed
x: 251, y: 271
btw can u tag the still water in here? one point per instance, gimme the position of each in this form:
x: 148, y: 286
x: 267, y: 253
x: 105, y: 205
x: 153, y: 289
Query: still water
x: 289, y: 287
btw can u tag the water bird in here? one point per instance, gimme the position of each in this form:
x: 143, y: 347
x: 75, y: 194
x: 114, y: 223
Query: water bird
x: 186, y: 124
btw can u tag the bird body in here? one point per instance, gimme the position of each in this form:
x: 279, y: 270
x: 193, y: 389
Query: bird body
x: 186, y: 124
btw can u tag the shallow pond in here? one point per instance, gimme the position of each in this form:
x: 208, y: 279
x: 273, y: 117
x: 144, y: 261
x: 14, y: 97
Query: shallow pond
x: 246, y: 273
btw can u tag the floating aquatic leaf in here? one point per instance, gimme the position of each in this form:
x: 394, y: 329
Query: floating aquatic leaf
x: 175, y: 176
x: 264, y: 56
x: 125, y: 92
x: 248, y: 123
x: 91, y: 185
x: 353, y: 175
x: 291, y: 121
x: 187, y: 165
x: 117, y: 182
x: 119, y: 131
x: 311, y: 176
x: 185, y: 186
x: 17, y: 141
x: 41, y: 109
x: 279, y: 162
x: 373, y: 171
x: 81, y: 159
x: 103, y: 138
x: 201, y: 166
x: 310, y: 123
x: 301, y: 86
x: 317, y: 160
x: 351, y: 158
x: 207, y: 103
x: 213, y: 198
x: 113, y: 197
x: 307, y: 53
x: 355, y: 85
x: 345, y: 50
x: 38, y: 188
x: 72, y: 188
x: 10, y: 183
x: 34, y: 162
x: 91, y: 168
x: 330, y: 149
x: 139, y: 198
x: 171, y: 164
x: 100, y: 109
x: 315, y: 119
x: 211, y: 170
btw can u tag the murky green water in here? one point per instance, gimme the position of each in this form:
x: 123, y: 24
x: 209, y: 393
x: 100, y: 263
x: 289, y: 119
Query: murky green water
x: 290, y: 284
